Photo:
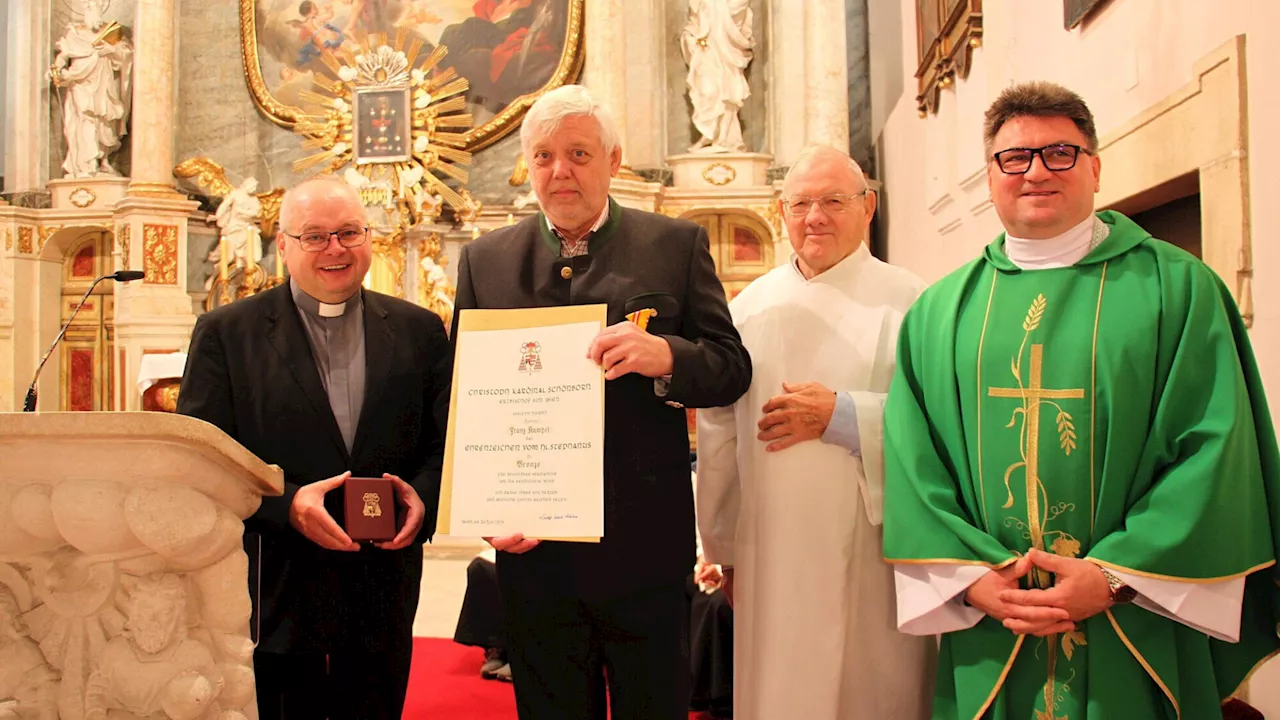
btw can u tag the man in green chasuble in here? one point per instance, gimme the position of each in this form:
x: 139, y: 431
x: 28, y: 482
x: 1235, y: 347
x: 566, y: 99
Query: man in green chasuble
x: 1082, y: 486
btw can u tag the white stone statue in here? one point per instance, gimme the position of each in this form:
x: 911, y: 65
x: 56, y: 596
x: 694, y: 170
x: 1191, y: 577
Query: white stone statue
x: 93, y: 72
x: 717, y: 46
x: 237, y: 218
x: 439, y: 292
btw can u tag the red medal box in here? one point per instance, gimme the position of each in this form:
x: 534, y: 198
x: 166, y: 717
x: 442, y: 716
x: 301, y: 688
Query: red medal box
x: 371, y: 509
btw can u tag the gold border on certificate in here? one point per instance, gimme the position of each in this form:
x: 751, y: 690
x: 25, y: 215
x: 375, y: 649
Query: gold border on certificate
x: 479, y: 320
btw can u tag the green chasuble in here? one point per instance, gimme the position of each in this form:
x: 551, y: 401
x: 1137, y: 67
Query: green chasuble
x: 1110, y: 411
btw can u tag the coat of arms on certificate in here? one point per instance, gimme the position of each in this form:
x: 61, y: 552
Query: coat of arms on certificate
x: 530, y: 357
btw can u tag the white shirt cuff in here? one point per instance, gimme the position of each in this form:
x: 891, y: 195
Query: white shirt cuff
x: 931, y: 597
x: 1211, y: 608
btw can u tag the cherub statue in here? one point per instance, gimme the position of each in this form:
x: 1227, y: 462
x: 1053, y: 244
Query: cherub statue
x: 237, y: 219
x: 93, y: 69
x: 244, y: 215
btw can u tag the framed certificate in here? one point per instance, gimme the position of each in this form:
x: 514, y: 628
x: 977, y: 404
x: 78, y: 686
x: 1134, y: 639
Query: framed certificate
x: 525, y: 447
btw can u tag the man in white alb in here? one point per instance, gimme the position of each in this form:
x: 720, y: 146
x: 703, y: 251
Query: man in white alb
x: 790, y: 478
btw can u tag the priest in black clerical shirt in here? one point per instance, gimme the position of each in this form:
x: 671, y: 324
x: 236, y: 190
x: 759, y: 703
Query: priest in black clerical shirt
x: 328, y: 381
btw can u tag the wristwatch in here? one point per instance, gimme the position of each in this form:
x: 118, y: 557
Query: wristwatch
x: 1120, y: 592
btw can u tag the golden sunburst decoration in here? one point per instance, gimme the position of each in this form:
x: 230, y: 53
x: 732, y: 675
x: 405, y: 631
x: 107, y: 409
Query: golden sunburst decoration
x: 435, y: 100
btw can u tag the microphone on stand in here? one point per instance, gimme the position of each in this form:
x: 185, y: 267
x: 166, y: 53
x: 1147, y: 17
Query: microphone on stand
x: 29, y: 402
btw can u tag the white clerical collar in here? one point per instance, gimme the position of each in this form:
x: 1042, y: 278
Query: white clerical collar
x: 599, y: 223
x: 313, y: 306
x: 850, y: 262
x: 1064, y: 250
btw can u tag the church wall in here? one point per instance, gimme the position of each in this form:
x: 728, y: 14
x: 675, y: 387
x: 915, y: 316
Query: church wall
x: 216, y: 115
x: 885, y: 67
x: 1127, y: 57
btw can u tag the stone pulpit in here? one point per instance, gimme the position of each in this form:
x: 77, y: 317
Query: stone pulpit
x: 123, y: 582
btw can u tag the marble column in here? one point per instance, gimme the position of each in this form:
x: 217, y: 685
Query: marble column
x: 156, y: 314
x: 809, y: 77
x: 605, y: 69
x: 605, y: 74
x: 28, y: 91
x: 154, y: 69
x: 646, y: 84
x: 826, y: 105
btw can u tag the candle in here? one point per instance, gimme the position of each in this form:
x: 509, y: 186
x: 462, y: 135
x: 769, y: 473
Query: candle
x: 475, y: 232
x: 279, y: 262
x: 223, y: 260
x: 511, y: 219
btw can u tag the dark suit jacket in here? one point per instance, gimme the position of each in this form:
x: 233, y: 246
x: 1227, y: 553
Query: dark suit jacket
x: 250, y: 371
x: 648, y: 494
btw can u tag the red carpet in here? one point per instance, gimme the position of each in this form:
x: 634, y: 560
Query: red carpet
x: 445, y: 684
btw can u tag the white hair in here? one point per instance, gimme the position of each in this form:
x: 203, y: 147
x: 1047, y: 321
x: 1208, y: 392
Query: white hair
x: 291, y: 196
x: 818, y: 153
x: 545, y: 115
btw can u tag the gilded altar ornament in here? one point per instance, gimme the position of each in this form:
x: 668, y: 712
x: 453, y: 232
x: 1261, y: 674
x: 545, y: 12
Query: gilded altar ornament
x: 46, y: 233
x: 160, y: 254
x: 470, y: 209
x: 396, y: 123
x: 82, y: 197
x: 123, y: 238
x: 547, y: 40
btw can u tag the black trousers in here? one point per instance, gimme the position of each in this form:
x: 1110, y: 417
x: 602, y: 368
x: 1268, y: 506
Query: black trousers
x: 480, y: 621
x: 566, y: 654
x: 711, y: 650
x: 339, y: 686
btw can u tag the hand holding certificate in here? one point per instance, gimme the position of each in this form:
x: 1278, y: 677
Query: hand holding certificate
x: 525, y: 448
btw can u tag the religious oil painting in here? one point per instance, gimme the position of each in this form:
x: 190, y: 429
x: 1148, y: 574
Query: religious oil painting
x: 510, y: 51
x: 928, y: 26
x: 381, y: 119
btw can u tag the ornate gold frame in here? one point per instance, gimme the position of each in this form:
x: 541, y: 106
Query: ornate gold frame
x: 495, y: 129
x: 950, y: 53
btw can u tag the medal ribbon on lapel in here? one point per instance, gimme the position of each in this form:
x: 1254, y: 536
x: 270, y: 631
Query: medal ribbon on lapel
x: 641, y: 317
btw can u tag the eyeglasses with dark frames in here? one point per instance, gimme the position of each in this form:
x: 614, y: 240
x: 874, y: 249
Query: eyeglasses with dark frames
x: 319, y: 240
x: 1057, y: 158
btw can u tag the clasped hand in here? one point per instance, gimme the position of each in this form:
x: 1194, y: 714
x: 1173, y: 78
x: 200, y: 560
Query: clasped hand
x: 624, y: 348
x: 309, y: 517
x: 1080, y: 591
x: 801, y: 413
